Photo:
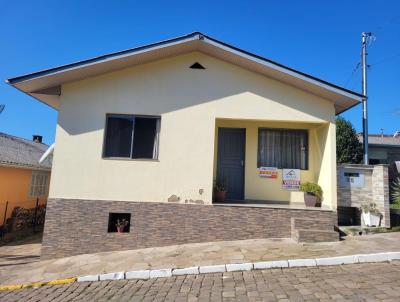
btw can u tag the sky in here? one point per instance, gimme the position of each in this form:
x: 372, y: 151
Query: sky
x: 321, y: 38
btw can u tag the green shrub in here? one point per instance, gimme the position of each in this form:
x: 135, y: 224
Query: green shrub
x: 395, y: 206
x: 312, y: 188
x: 395, y: 191
x: 370, y: 208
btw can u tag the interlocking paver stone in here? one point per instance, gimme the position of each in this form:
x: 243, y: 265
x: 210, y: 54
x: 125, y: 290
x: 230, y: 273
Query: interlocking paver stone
x: 352, y: 282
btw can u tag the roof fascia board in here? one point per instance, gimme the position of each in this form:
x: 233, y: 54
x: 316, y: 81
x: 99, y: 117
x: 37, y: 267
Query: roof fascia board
x: 101, y: 59
x: 281, y: 69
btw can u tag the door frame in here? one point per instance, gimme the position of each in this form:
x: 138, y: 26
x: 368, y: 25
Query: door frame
x: 244, y: 158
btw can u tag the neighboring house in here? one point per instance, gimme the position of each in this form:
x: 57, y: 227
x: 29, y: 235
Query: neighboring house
x: 382, y: 148
x: 143, y: 134
x: 22, y: 179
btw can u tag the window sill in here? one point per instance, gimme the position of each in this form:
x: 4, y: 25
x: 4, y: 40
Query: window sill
x: 130, y: 159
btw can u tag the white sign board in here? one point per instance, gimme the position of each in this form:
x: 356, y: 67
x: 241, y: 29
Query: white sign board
x: 291, y: 179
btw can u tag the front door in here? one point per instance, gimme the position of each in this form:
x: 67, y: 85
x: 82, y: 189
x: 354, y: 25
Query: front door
x: 230, y: 162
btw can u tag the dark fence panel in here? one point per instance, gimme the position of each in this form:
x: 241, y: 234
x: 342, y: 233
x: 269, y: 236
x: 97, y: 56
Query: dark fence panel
x: 21, y: 219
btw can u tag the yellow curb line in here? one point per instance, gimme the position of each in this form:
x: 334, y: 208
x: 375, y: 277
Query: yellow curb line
x: 37, y: 284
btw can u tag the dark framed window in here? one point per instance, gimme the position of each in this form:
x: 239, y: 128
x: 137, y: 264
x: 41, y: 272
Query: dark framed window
x: 283, y: 148
x: 131, y: 136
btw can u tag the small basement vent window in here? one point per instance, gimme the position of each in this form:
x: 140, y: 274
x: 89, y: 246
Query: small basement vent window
x: 119, y: 222
x: 197, y: 65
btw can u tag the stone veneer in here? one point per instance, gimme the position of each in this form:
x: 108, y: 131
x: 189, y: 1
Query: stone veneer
x: 375, y: 190
x: 75, y: 227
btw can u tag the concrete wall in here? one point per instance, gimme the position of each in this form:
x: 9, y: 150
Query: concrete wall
x: 375, y: 189
x: 189, y: 103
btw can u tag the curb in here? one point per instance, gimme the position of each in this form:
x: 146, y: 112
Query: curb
x: 221, y: 268
x: 37, y: 284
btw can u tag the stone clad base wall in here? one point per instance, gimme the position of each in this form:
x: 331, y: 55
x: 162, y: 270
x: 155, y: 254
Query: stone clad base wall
x: 375, y: 189
x: 75, y: 227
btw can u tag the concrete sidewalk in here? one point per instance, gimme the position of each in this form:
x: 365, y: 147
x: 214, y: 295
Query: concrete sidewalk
x: 19, y: 262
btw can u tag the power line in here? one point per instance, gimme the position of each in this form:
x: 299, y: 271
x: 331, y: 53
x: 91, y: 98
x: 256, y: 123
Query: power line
x: 352, y: 73
x: 386, y: 59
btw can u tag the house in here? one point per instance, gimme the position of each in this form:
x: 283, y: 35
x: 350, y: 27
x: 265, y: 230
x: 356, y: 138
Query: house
x: 23, y: 181
x: 382, y: 148
x: 144, y: 133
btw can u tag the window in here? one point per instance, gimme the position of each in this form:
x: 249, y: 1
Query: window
x: 131, y: 136
x: 283, y: 148
x: 39, y: 184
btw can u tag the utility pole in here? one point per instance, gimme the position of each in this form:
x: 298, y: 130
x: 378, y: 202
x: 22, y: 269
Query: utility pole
x: 364, y: 40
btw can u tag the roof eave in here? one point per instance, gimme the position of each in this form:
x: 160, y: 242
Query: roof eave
x: 52, y: 101
x: 24, y: 166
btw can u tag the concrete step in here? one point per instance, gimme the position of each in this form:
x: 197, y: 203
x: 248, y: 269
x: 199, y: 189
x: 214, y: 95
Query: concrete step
x: 306, y: 235
x: 311, y: 224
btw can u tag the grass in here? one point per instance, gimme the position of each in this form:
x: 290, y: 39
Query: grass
x: 395, y: 206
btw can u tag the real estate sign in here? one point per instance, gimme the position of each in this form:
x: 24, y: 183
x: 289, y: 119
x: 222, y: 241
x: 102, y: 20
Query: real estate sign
x: 291, y: 179
x: 268, y: 172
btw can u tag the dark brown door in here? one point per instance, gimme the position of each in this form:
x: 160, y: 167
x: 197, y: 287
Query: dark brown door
x: 230, y: 162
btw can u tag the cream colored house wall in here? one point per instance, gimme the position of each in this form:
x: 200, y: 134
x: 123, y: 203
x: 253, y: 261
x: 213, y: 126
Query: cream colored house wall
x: 189, y: 103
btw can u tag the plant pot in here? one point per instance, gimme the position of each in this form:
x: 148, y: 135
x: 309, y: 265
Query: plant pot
x: 120, y: 229
x: 310, y: 200
x: 220, y: 196
x: 371, y: 219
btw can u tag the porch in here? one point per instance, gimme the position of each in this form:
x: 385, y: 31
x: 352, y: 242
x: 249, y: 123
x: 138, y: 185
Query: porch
x: 243, y: 148
x: 272, y: 204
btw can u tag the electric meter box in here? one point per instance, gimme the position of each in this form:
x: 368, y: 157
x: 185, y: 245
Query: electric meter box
x: 351, y: 178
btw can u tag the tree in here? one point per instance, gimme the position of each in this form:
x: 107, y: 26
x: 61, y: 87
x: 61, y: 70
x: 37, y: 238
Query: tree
x: 348, y: 147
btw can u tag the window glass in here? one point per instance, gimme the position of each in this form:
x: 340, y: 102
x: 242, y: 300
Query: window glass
x: 132, y: 136
x: 283, y: 148
x: 144, y: 137
x: 119, y: 136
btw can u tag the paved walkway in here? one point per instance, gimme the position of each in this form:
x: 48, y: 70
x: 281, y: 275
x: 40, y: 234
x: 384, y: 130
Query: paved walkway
x: 21, y: 252
x: 20, y: 263
x: 356, y: 282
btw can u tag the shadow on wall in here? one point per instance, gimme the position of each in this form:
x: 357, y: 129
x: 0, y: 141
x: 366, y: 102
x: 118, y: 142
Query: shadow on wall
x: 169, y: 86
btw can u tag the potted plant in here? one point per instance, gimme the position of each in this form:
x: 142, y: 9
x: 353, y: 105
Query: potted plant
x: 312, y: 194
x: 220, y: 190
x: 121, y: 224
x: 370, y: 214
